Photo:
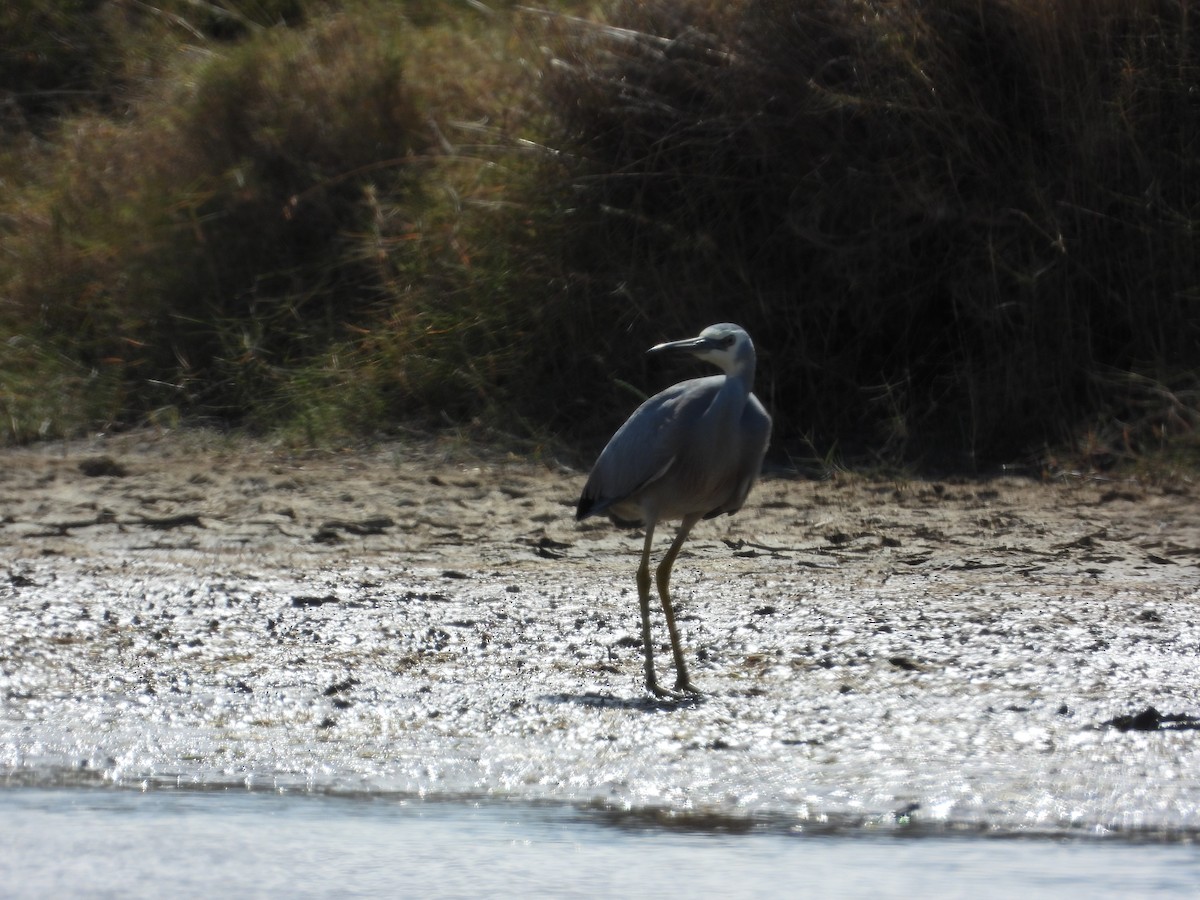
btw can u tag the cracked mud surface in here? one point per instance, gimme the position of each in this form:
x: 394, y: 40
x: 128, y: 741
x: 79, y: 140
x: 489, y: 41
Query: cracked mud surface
x: 1005, y: 655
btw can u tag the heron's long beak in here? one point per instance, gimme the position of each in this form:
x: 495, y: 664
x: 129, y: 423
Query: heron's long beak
x: 689, y: 345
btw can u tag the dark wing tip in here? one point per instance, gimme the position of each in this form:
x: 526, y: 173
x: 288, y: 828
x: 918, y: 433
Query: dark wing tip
x: 593, y: 506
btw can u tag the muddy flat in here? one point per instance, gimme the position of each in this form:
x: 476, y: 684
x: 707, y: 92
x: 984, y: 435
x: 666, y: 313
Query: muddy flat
x: 1009, y: 655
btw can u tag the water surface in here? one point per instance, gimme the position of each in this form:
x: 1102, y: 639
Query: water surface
x: 82, y: 842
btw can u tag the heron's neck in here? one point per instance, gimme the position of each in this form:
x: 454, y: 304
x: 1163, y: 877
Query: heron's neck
x: 740, y: 379
x: 731, y: 399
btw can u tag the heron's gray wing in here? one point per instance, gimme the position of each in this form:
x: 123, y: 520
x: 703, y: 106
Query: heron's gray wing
x: 644, y: 448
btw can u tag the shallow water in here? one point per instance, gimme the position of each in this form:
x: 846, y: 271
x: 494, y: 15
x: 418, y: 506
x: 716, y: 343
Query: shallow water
x: 110, y: 843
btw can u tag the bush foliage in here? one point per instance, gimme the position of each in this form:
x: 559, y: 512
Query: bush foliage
x: 958, y: 231
x: 954, y: 226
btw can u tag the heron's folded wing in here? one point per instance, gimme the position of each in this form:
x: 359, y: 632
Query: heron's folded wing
x: 644, y: 448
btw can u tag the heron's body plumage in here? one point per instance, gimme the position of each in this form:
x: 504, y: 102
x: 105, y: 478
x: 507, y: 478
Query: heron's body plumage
x: 659, y: 459
x: 691, y: 451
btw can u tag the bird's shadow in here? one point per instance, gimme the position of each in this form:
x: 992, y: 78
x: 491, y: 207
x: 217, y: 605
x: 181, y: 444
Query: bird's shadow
x: 641, y: 704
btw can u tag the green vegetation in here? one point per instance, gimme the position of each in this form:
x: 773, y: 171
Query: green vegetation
x: 960, y: 232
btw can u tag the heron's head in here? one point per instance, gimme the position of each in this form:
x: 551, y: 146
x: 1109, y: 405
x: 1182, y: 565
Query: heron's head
x: 726, y: 346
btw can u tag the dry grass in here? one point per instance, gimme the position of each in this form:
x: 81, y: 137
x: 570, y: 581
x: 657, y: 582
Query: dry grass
x: 941, y: 220
x: 959, y: 231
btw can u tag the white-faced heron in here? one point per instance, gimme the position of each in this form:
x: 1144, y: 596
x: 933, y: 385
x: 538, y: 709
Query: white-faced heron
x: 690, y: 452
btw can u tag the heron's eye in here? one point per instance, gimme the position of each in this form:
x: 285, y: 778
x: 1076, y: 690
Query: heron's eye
x: 727, y: 341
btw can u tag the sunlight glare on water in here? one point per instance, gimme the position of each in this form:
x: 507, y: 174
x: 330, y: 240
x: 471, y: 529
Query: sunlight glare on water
x: 104, y: 843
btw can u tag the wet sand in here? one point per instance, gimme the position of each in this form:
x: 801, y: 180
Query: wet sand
x: 1005, y: 655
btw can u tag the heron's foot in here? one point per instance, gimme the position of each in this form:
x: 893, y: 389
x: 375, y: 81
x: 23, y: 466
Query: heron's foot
x: 682, y: 691
x: 661, y: 692
x: 685, y: 688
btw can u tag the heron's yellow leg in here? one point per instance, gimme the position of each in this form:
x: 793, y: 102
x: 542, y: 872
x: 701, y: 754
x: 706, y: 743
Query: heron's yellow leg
x: 643, y: 584
x: 682, y: 682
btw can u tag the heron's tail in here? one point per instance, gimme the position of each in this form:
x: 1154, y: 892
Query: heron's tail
x: 586, y: 506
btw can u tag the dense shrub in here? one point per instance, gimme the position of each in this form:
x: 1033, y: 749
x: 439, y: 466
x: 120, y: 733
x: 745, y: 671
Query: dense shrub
x: 53, y: 56
x: 950, y: 225
x: 957, y: 230
x: 62, y: 56
x: 209, y: 241
x: 286, y: 226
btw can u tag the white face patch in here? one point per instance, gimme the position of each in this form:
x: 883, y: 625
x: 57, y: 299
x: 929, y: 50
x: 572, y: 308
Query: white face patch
x: 726, y: 346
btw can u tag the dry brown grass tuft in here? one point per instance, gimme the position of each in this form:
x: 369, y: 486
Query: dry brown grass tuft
x: 940, y: 220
